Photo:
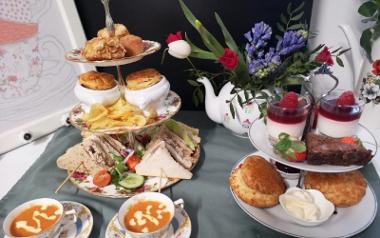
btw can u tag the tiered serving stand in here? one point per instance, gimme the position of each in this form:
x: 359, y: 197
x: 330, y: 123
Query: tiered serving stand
x: 345, y: 222
x: 169, y: 108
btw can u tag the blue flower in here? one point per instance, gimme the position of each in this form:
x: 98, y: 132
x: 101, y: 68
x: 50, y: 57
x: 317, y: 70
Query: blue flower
x: 265, y: 64
x: 290, y: 42
x: 258, y: 36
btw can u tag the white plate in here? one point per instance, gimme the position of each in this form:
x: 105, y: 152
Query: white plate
x: 76, y: 56
x: 346, y: 223
x: 258, y: 135
x: 180, y: 226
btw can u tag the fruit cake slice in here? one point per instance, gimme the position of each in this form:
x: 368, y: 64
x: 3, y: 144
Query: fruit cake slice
x: 322, y: 149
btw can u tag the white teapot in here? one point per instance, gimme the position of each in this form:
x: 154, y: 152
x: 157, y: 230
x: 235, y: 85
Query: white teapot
x: 218, y: 109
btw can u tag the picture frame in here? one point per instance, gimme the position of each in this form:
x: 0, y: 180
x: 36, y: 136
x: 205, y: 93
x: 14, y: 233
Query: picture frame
x: 36, y: 84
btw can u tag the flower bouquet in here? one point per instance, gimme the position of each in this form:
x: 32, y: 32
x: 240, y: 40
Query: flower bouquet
x: 264, y: 67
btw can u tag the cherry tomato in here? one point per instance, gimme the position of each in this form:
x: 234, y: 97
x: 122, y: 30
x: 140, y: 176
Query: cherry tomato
x: 132, y: 162
x: 102, y: 178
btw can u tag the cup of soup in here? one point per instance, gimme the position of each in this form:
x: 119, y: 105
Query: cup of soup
x: 147, y: 215
x: 37, y: 218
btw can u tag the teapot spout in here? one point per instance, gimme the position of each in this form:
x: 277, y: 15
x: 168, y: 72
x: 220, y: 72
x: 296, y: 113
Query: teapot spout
x: 212, y: 102
x: 357, y: 58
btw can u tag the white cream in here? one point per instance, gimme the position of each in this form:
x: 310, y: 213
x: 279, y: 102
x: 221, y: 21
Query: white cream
x: 336, y: 129
x: 276, y: 128
x: 301, y: 205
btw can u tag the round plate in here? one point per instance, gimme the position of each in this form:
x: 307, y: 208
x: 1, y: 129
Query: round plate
x: 180, y: 226
x: 171, y: 106
x: 76, y: 56
x: 258, y: 135
x: 84, y: 183
x: 344, y: 224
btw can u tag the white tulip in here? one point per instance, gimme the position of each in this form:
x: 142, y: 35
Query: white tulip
x: 179, y: 49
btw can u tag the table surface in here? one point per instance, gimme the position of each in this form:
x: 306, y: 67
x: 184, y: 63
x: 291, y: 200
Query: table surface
x: 207, y: 196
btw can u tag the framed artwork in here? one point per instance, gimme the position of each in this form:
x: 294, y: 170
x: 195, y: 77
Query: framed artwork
x: 36, y: 83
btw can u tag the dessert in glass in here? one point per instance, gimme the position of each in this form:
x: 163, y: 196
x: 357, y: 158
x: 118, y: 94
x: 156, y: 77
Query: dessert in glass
x: 339, y: 114
x: 287, y: 115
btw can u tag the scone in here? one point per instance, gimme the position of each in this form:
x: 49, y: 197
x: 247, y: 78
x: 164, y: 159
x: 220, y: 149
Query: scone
x: 257, y: 183
x: 143, y: 79
x: 120, y: 30
x: 342, y: 189
x: 97, y: 80
x: 103, y: 49
x: 133, y: 44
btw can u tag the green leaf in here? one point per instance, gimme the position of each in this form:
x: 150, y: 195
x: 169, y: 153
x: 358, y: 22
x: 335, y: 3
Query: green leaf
x: 240, y: 100
x: 367, y: 9
x: 280, y: 27
x: 289, y: 8
x: 197, y: 52
x: 232, y: 110
x: 300, y: 7
x: 296, y: 26
x: 365, y: 42
x: 193, y: 83
x: 246, y: 95
x: 195, y: 99
x: 230, y: 42
x: 344, y: 51
x: 297, y: 17
x: 208, y: 39
x: 283, y: 145
x: 298, y: 146
x: 339, y: 61
x: 283, y: 19
x: 336, y: 50
x: 200, y: 95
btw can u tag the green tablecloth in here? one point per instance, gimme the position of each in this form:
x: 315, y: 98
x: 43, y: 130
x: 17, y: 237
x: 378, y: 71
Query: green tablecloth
x: 207, y: 196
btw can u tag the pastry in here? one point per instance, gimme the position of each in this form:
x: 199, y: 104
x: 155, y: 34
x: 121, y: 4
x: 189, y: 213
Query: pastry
x: 322, y: 149
x: 103, y: 49
x: 97, y: 80
x: 132, y: 44
x: 120, y: 30
x: 342, y: 189
x: 143, y: 79
x: 257, y: 183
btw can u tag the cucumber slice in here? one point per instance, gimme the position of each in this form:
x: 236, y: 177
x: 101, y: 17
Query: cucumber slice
x: 131, y: 181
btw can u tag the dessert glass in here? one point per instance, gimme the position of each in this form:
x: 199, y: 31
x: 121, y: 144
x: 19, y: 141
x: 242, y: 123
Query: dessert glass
x: 288, y: 120
x: 336, y: 120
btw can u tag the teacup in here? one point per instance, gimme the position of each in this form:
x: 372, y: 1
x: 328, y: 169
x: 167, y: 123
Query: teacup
x: 50, y: 231
x: 149, y: 196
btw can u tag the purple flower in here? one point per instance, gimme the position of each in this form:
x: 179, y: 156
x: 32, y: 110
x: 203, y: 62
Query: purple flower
x: 265, y: 64
x: 257, y: 37
x: 290, y: 42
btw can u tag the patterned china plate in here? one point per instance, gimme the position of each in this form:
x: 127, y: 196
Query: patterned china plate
x: 81, y: 228
x: 170, y: 107
x: 180, y: 226
x: 258, y: 135
x: 346, y: 222
x: 76, y: 56
x: 84, y: 183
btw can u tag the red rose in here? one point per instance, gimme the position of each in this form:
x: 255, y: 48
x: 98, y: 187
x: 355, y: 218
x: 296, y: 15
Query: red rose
x: 173, y: 37
x: 325, y: 57
x: 228, y: 59
x: 376, y: 67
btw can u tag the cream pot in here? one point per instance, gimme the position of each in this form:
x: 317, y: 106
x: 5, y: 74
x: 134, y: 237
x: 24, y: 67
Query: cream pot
x: 92, y: 96
x: 152, y: 96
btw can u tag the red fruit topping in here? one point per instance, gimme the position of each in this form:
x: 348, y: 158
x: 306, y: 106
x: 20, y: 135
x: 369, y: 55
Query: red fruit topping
x: 348, y: 140
x: 290, y: 100
x: 346, y: 99
x: 299, y: 157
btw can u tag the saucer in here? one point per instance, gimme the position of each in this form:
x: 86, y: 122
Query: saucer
x: 180, y: 226
x: 81, y: 228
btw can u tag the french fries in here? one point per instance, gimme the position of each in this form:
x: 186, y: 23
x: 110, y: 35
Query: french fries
x: 119, y: 114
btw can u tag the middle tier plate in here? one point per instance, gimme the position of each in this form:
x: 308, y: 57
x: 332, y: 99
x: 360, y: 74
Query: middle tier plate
x: 258, y: 135
x: 171, y: 106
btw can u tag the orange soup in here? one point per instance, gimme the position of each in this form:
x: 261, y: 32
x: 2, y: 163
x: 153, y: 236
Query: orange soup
x: 146, y: 216
x: 35, y: 220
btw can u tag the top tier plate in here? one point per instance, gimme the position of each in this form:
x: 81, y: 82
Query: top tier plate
x: 258, y: 135
x: 76, y: 56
